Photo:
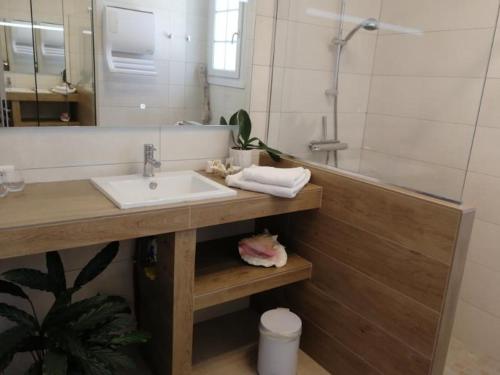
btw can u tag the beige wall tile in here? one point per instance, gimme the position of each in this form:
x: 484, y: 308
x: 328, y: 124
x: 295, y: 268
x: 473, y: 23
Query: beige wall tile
x: 264, y: 32
x: 479, y: 330
x: 486, y: 152
x: 415, y: 175
x: 480, y: 288
x: 494, y: 70
x: 482, y: 191
x: 420, y: 140
x: 265, y: 7
x: 485, y: 244
x: 178, y: 143
x: 453, y: 100
x: 353, y: 92
x: 260, y: 88
x: 457, y: 53
x: 490, y: 110
x: 59, y: 147
x: 429, y: 15
x: 304, y: 91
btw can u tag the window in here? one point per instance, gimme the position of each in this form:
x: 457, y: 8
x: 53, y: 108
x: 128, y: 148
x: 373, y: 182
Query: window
x: 225, y: 42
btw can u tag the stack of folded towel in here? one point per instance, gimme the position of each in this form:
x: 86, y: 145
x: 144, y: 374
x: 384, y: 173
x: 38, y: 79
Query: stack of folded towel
x: 280, y: 182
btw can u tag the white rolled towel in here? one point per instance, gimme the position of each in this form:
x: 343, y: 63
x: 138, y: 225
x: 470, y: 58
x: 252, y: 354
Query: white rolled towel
x: 238, y: 181
x: 286, y: 177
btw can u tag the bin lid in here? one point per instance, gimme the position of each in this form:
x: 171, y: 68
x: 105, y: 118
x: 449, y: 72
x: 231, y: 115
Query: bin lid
x: 281, y: 322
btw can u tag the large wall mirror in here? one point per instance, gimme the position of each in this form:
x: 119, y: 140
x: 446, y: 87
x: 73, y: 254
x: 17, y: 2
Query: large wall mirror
x: 124, y: 62
x: 47, y: 70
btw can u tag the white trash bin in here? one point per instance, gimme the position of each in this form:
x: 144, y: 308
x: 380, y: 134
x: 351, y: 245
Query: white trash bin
x: 280, y: 331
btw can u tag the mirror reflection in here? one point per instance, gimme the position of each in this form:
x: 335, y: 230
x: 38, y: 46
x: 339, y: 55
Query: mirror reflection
x: 168, y: 62
x: 47, y: 71
x: 155, y: 62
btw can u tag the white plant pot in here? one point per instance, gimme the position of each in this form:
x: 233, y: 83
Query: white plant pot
x: 242, y: 158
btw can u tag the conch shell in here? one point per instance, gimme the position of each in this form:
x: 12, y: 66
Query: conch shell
x: 263, y: 250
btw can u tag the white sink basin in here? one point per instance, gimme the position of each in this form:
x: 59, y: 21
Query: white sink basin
x: 165, y: 188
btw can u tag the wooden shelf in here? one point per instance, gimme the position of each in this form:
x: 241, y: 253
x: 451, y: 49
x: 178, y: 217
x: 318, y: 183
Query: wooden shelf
x: 228, y: 345
x: 221, y: 276
x: 244, y: 362
x: 42, y: 97
x: 47, y: 123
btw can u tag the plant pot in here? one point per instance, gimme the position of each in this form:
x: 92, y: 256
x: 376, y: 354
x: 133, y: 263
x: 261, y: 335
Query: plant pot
x: 242, y: 158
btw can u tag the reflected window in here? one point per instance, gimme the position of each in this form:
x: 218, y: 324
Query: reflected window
x: 226, y: 31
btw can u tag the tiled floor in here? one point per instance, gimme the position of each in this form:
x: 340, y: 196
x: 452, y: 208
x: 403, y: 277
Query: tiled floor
x: 462, y: 362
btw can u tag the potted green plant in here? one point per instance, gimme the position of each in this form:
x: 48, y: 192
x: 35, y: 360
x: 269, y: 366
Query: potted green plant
x: 244, y: 145
x: 82, y: 338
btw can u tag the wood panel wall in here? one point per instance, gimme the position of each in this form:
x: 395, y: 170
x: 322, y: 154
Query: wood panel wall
x: 387, y: 267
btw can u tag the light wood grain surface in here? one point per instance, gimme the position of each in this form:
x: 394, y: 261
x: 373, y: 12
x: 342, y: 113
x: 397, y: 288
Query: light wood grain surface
x: 56, y: 216
x: 387, y: 265
x: 235, y: 280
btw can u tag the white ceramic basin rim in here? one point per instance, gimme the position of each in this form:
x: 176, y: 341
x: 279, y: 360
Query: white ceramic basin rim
x: 135, y: 191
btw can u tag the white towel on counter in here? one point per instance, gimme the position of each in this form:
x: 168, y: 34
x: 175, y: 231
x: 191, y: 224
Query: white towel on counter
x: 63, y: 89
x: 240, y: 182
x: 286, y: 177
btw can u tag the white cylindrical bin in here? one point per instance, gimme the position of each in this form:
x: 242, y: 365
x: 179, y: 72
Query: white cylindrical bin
x: 280, y: 331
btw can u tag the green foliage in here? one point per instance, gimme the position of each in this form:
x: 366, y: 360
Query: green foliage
x: 55, y: 273
x: 12, y: 289
x: 29, y: 278
x: 244, y: 141
x: 97, y: 265
x: 80, y: 338
x: 55, y: 363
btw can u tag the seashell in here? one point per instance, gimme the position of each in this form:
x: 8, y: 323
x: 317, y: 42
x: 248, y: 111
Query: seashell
x: 263, y: 250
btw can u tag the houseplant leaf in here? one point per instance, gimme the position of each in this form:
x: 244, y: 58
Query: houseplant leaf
x: 10, y: 339
x: 60, y: 315
x: 245, y: 126
x: 12, y: 289
x: 274, y: 154
x: 114, y: 359
x: 119, y: 324
x: 234, y: 119
x: 56, y: 275
x: 67, y: 341
x: 130, y: 338
x: 100, y: 315
x: 97, y: 264
x: 18, y: 316
x: 30, y: 278
x: 55, y: 363
x: 223, y: 121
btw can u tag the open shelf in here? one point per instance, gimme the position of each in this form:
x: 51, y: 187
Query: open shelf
x: 228, y: 345
x: 221, y: 275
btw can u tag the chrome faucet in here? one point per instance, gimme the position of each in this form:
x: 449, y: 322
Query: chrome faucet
x: 150, y: 163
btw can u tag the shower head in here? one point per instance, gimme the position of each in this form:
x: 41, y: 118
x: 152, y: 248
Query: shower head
x: 370, y: 24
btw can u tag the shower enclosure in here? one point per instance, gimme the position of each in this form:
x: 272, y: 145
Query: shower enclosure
x: 390, y: 89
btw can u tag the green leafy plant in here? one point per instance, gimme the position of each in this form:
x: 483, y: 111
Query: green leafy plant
x: 244, y: 141
x: 81, y: 338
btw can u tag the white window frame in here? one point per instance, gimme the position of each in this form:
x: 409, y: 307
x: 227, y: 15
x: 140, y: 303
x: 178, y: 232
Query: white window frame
x: 225, y: 77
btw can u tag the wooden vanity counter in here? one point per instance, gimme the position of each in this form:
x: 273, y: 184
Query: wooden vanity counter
x: 63, y: 215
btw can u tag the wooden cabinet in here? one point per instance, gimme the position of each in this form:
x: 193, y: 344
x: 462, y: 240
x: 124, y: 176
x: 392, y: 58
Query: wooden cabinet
x: 44, y: 109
